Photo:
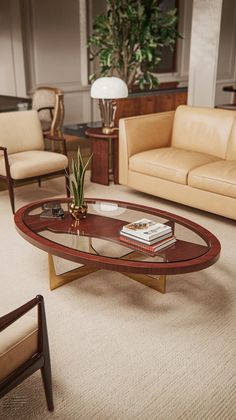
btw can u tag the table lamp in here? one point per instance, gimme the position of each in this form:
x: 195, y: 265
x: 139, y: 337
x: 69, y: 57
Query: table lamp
x: 107, y: 90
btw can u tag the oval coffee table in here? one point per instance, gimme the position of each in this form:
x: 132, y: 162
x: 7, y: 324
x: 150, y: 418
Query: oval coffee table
x: 94, y: 242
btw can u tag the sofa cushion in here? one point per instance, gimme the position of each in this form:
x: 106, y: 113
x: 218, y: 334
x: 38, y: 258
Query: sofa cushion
x: 33, y: 163
x: 202, y: 130
x: 168, y: 163
x: 217, y: 177
x: 18, y: 343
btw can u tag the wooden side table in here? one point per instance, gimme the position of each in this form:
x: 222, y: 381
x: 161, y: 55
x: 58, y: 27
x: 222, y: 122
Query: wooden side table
x: 100, y: 145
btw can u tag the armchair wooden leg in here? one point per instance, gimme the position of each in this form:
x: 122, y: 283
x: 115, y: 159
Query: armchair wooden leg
x: 47, y: 381
x: 39, y: 182
x: 11, y: 193
x: 67, y: 186
x: 46, y: 368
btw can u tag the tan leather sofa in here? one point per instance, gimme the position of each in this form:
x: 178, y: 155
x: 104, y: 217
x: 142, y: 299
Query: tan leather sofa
x: 187, y: 156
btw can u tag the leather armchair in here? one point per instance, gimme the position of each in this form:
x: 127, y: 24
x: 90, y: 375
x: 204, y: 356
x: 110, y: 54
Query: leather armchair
x: 22, y: 151
x: 24, y: 348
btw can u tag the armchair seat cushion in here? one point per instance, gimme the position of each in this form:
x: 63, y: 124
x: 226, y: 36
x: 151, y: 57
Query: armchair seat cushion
x: 18, y: 343
x: 33, y: 163
x: 216, y: 177
x: 169, y: 163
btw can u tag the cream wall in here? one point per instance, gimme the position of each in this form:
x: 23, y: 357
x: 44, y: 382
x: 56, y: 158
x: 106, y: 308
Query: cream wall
x: 204, y: 51
x: 226, y: 68
x: 54, y: 35
x: 12, y: 69
x: 212, y: 52
x: 56, y: 53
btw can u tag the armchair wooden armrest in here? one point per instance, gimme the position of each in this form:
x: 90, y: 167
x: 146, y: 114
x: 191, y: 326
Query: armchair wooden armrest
x: 58, y: 139
x: 18, y: 366
x: 47, y: 108
x: 7, y: 166
x: 12, y: 316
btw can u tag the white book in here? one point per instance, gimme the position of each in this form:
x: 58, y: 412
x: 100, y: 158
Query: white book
x: 146, y: 229
x: 145, y: 241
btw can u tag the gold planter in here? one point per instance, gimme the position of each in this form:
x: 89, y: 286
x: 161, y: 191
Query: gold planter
x: 78, y: 212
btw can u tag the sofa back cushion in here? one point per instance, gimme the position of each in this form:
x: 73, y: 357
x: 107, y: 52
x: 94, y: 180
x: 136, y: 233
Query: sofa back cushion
x: 231, y: 150
x: 21, y: 131
x: 202, y: 130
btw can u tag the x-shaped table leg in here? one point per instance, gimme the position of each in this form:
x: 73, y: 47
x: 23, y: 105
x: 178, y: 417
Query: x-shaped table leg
x: 155, y: 282
x: 56, y: 280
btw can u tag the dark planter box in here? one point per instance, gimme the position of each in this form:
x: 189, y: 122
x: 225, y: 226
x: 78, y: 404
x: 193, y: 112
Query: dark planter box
x: 160, y: 100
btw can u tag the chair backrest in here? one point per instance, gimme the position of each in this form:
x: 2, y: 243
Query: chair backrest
x: 21, y: 131
x: 53, y: 117
x: 203, y: 130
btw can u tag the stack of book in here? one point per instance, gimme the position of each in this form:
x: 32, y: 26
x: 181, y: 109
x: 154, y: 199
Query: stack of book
x: 147, y: 235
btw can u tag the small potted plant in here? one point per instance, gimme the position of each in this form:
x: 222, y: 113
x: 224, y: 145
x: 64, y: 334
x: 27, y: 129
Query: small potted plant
x: 78, y: 207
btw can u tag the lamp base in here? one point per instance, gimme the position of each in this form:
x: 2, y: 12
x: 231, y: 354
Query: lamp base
x: 108, y: 111
x: 108, y: 130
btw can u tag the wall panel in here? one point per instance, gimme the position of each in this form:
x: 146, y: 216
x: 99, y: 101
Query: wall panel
x: 55, y: 36
x: 7, y: 73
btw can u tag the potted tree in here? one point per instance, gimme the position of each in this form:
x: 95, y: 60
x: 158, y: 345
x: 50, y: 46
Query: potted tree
x: 128, y: 40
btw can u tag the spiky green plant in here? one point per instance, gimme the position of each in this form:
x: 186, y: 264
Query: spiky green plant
x: 76, y: 178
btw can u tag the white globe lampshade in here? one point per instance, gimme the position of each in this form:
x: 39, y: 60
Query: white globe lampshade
x: 109, y: 88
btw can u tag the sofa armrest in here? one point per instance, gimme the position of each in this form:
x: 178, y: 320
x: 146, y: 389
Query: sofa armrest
x: 141, y: 133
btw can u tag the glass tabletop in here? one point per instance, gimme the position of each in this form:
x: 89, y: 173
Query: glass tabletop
x: 99, y: 233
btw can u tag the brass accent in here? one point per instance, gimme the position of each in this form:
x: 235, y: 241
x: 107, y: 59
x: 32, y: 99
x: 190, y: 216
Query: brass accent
x: 108, y: 109
x: 157, y: 283
x: 78, y: 212
x: 57, y: 280
x: 107, y: 130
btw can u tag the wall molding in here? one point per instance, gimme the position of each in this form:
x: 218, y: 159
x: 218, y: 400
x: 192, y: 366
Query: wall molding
x: 230, y: 64
x: 17, y: 49
x: 83, y: 25
x: 32, y: 78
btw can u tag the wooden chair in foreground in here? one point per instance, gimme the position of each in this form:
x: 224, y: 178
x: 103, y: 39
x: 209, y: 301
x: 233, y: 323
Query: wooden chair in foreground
x: 22, y: 152
x: 24, y: 348
x: 49, y: 103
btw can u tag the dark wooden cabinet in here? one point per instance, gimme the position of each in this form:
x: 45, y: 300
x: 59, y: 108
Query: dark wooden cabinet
x: 9, y: 103
x: 141, y: 103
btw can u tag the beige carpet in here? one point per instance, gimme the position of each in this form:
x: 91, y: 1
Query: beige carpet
x: 121, y: 351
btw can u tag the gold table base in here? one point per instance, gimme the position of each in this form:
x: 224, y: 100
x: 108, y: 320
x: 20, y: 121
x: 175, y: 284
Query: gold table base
x: 157, y: 283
